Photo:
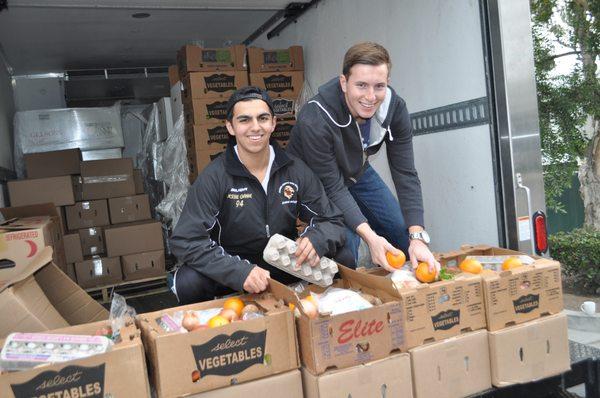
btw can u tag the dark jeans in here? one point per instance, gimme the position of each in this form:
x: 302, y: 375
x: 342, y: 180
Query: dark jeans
x: 382, y: 210
x: 192, y: 287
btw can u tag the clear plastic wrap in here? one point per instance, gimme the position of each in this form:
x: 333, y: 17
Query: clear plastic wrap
x: 55, y: 129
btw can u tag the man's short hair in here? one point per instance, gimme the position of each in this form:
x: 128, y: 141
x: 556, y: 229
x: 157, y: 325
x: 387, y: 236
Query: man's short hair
x: 246, y: 94
x: 366, y: 53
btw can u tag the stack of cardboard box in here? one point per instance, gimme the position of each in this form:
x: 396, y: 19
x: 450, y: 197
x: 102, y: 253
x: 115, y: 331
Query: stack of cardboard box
x: 281, y: 73
x: 208, y: 77
x: 105, y: 216
x: 523, y: 306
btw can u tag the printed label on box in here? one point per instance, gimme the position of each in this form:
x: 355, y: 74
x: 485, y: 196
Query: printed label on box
x: 276, y: 57
x: 223, y: 56
x: 446, y: 320
x: 218, y: 135
x: 226, y: 355
x: 220, y: 82
x: 70, y: 381
x: 528, y: 303
x: 278, y: 83
x: 282, y: 106
x: 217, y: 110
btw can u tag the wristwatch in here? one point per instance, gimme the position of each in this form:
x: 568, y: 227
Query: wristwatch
x: 422, y: 236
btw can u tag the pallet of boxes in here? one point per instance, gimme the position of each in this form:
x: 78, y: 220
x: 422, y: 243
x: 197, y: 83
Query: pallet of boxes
x: 208, y: 78
x: 55, y: 340
x: 110, y: 238
x: 527, y: 329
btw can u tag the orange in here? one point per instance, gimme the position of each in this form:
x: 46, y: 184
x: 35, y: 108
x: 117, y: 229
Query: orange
x: 217, y: 321
x: 510, y: 263
x: 423, y: 275
x: 395, y: 261
x: 235, y: 304
x: 471, y: 266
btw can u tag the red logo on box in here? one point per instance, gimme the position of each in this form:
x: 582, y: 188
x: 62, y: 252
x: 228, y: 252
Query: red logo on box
x: 356, y: 329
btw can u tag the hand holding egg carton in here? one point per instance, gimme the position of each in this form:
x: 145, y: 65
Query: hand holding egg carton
x: 279, y: 252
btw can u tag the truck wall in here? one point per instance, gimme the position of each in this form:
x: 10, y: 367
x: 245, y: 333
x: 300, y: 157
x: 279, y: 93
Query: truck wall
x: 7, y: 110
x: 437, y: 55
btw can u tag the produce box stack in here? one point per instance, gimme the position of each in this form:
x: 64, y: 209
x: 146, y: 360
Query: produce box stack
x: 527, y: 330
x: 281, y: 73
x: 208, y: 77
x: 233, y: 346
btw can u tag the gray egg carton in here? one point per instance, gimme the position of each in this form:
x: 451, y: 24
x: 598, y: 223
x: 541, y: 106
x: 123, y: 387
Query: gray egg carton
x: 280, y: 254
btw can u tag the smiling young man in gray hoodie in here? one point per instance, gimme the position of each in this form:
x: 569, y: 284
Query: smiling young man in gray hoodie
x: 335, y: 133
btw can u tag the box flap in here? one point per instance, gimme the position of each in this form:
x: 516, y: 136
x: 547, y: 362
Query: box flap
x: 38, y: 262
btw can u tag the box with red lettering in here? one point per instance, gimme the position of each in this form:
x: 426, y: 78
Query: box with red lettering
x: 345, y: 339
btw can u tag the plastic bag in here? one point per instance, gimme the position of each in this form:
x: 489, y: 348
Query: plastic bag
x: 335, y: 301
x: 120, y: 315
x: 404, y: 279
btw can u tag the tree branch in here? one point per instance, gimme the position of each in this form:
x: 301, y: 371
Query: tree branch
x: 563, y: 55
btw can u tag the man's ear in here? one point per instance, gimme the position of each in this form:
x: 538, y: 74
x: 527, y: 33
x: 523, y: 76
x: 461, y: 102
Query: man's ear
x: 230, y: 128
x: 343, y: 82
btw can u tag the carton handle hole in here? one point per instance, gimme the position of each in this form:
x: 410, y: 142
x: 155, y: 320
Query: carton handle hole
x: 383, y: 390
x: 521, y: 353
x: 547, y: 346
x: 466, y: 359
x: 439, y: 373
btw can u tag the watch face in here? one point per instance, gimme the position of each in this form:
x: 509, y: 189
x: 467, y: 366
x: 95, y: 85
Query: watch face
x: 423, y: 236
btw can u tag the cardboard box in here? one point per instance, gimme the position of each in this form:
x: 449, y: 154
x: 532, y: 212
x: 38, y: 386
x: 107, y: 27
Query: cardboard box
x: 133, y: 238
x: 26, y: 231
x: 234, y: 353
x: 432, y: 311
x: 138, y: 180
x: 120, y: 372
x: 518, y: 295
x: 199, y: 159
x: 52, y: 164
x: 285, y: 107
x: 287, y: 59
x: 71, y: 272
x: 345, y: 340
x: 98, y: 271
x: 42, y: 297
x: 198, y: 59
x: 62, y: 219
x: 93, y: 213
x: 176, y: 101
x: 529, y: 351
x: 173, y: 75
x: 108, y: 178
x: 73, y: 251
x: 279, y: 84
x: 129, y: 209
x: 285, y: 385
x: 206, y: 137
x: 92, y: 241
x: 388, y: 377
x: 283, y: 131
x: 143, y: 265
x: 456, y: 367
x: 56, y: 190
x: 199, y: 85
x: 203, y: 111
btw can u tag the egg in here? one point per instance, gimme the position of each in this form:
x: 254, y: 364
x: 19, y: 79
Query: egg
x: 309, y: 308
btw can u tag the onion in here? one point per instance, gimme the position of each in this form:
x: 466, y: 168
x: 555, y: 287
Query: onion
x: 229, y: 314
x: 190, y: 321
x: 250, y: 308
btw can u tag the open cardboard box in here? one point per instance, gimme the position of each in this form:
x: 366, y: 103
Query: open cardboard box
x: 120, y: 372
x: 349, y: 339
x: 432, y: 311
x: 455, y: 367
x: 518, y: 295
x: 41, y: 297
x: 24, y: 232
x: 284, y: 385
x: 530, y: 351
x: 203, y: 360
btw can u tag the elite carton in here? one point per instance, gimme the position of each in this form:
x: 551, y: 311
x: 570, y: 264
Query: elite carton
x: 52, y: 164
x: 529, y: 351
x: 198, y: 85
x: 107, y: 178
x: 431, y: 311
x: 56, y: 190
x: 287, y: 59
x: 348, y: 339
x: 518, y: 295
x: 455, y: 367
x: 120, y: 372
x: 203, y: 360
x: 133, y: 238
x: 192, y: 58
x: 42, y: 297
x: 143, y: 265
x: 129, y: 209
x: 93, y: 213
x: 388, y: 377
x: 279, y: 84
x: 98, y: 271
x: 285, y: 385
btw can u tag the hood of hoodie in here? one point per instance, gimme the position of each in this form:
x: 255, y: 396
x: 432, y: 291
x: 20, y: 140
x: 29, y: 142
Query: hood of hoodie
x: 332, y: 102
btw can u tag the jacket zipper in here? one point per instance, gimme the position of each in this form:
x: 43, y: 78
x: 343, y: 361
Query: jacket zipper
x: 360, y: 140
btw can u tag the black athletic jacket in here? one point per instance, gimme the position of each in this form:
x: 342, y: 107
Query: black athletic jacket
x: 227, y: 218
x: 327, y: 138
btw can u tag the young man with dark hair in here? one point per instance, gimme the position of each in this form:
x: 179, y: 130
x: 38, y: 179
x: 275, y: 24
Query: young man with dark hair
x: 335, y: 133
x: 242, y: 198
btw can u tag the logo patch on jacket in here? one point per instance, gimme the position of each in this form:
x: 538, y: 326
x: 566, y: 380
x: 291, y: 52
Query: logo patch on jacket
x: 288, y: 189
x: 239, y: 195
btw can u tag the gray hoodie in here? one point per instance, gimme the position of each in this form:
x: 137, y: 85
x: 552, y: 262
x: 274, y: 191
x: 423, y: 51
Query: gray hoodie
x: 327, y: 138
